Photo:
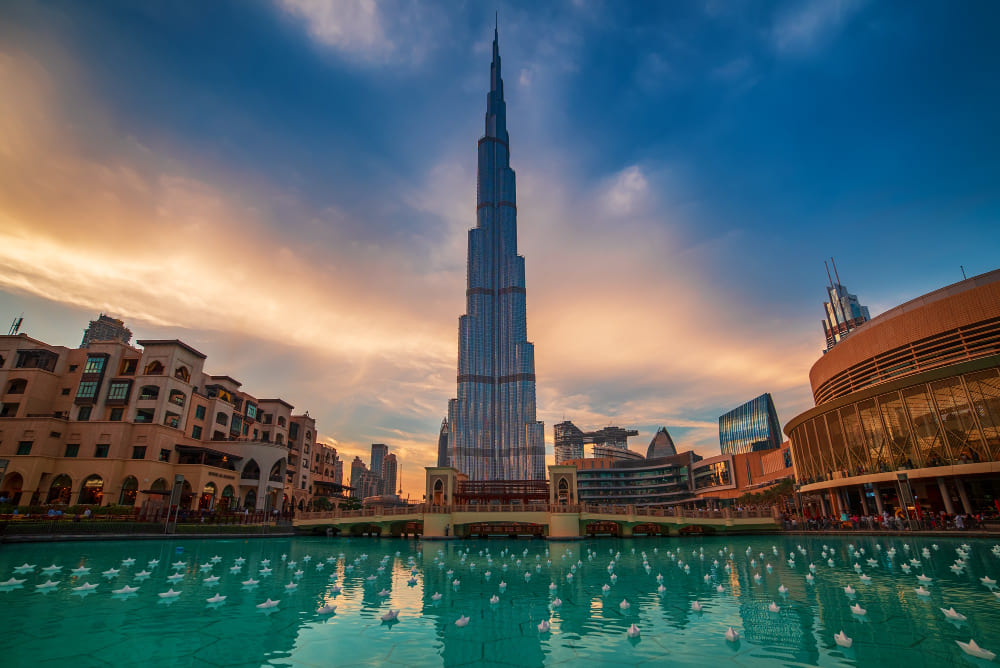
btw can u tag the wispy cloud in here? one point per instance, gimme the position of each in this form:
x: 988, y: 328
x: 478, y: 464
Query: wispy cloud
x: 803, y: 27
x: 368, y: 31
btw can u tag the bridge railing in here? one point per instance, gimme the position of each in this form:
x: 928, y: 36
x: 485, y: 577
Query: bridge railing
x: 635, y: 511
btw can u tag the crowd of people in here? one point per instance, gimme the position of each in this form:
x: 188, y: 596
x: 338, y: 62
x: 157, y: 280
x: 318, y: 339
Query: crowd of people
x: 897, y: 521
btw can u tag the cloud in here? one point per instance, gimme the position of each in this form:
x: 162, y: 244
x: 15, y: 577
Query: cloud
x: 367, y: 31
x: 809, y: 25
x: 626, y: 192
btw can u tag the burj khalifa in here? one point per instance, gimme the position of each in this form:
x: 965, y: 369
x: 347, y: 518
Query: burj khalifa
x: 493, y: 433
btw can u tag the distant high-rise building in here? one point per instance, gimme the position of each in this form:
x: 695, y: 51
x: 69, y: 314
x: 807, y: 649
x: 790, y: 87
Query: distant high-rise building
x: 608, y: 442
x: 106, y: 328
x: 568, y: 441
x: 379, y: 451
x: 389, y: 467
x: 843, y: 312
x: 493, y: 433
x: 661, y: 445
x: 359, y: 473
x: 750, y: 427
x: 443, y: 444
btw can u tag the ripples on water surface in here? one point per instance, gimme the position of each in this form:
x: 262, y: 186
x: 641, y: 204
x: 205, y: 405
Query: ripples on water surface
x: 900, y: 628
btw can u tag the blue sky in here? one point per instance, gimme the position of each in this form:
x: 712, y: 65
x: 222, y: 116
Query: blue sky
x: 287, y: 187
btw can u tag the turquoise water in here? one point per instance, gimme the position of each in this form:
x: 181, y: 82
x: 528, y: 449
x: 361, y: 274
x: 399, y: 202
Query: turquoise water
x: 60, y: 626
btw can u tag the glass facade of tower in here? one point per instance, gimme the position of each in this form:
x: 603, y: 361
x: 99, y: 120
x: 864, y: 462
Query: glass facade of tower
x: 753, y: 426
x: 493, y: 433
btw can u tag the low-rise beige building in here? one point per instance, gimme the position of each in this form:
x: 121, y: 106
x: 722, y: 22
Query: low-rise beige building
x: 116, y: 424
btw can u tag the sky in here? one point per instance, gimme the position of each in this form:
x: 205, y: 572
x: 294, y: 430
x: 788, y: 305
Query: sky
x: 287, y: 187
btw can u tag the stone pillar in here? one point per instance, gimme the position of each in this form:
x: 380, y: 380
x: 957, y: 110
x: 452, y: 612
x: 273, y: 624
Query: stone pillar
x: 949, y: 507
x: 963, y: 495
x: 564, y: 525
x: 435, y: 525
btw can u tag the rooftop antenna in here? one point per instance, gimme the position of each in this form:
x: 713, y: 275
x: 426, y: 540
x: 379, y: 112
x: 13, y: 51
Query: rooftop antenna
x: 16, y: 325
x: 962, y: 267
x: 835, y: 270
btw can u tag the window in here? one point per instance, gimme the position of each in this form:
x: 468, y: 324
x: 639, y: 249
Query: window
x: 172, y: 420
x: 154, y: 368
x: 196, y: 432
x: 74, y: 367
x: 246, y: 428
x: 116, y: 414
x: 220, y: 418
x: 144, y: 415
x: 199, y: 412
x: 84, y: 413
x: 101, y: 451
x: 24, y: 447
x: 94, y: 365
x: 177, y: 397
x: 17, y: 386
x: 9, y: 410
x: 149, y: 392
x: 65, y: 391
x: 182, y: 374
x: 72, y: 449
x: 87, y: 390
x: 281, y: 421
x: 118, y: 390
x: 164, y: 455
x: 138, y: 452
x: 128, y: 367
x: 256, y: 434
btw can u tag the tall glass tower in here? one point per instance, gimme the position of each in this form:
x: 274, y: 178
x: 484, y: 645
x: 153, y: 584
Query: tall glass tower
x: 493, y: 434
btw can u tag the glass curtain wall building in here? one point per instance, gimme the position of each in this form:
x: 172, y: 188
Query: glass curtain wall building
x: 493, y: 433
x: 844, y: 312
x: 751, y: 427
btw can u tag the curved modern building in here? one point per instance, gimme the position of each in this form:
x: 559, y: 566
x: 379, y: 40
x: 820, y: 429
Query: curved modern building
x: 907, y: 409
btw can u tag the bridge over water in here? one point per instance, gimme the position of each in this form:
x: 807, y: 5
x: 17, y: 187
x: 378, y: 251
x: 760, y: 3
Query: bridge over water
x: 553, y: 521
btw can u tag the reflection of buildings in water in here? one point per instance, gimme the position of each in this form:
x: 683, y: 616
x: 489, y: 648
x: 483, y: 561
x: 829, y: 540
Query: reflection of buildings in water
x: 792, y: 628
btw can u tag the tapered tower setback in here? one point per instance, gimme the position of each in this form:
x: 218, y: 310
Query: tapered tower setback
x: 493, y: 433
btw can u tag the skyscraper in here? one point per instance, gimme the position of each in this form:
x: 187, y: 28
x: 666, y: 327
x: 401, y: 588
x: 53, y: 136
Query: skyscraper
x: 750, y: 427
x: 389, y: 469
x: 493, y: 431
x: 843, y: 312
x: 379, y: 451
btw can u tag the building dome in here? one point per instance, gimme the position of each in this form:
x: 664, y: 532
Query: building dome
x: 661, y: 445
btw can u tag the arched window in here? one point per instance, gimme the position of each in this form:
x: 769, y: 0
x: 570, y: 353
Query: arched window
x: 92, y: 490
x: 182, y: 373
x: 277, y: 471
x: 17, y: 386
x: 154, y: 368
x: 251, y: 471
x: 59, y: 491
x: 177, y: 397
x: 438, y: 492
x: 159, y: 485
x: 149, y: 392
x: 250, y: 501
x: 129, y: 489
x: 227, y: 497
x: 207, y: 501
x: 11, y: 488
x: 186, y: 496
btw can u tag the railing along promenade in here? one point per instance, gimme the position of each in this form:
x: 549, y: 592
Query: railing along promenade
x: 582, y: 508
